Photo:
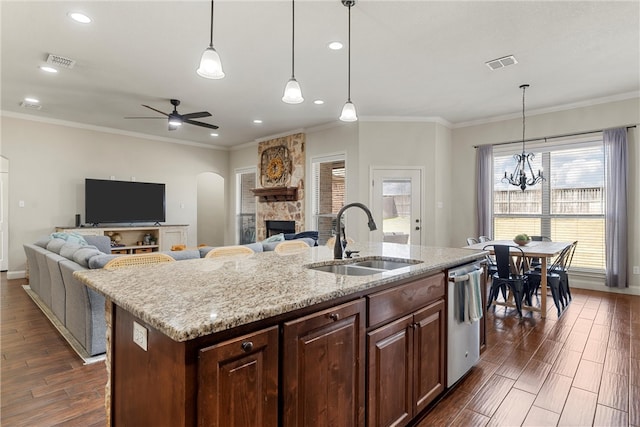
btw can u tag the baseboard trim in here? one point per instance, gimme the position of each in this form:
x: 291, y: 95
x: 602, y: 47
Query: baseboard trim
x: 20, y: 274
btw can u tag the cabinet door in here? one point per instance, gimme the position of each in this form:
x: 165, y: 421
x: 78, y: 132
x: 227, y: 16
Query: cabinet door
x: 429, y: 335
x: 170, y: 236
x: 238, y: 382
x: 323, y: 368
x: 389, y: 389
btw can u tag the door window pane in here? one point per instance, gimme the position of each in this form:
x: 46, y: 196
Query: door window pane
x: 396, y: 210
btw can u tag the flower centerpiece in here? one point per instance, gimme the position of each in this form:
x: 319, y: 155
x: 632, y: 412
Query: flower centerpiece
x: 522, y: 239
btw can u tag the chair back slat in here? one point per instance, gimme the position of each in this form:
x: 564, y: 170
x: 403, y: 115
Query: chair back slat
x: 503, y: 260
x: 472, y: 241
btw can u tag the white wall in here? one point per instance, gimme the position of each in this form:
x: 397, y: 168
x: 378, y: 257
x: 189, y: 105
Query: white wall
x: 49, y: 163
x: 212, y: 212
x: 583, y: 119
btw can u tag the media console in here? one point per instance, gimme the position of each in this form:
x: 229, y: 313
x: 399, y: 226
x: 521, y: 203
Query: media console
x: 162, y: 236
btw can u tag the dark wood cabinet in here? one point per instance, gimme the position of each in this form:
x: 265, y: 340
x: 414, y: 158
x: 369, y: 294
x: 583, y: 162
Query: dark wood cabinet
x: 323, y: 365
x: 238, y: 382
x: 406, y: 357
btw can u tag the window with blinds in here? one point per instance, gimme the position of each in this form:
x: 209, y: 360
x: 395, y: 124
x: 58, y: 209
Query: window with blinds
x: 328, y: 193
x: 567, y: 206
x: 245, y: 206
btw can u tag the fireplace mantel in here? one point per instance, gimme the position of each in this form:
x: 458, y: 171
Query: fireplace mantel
x: 276, y: 194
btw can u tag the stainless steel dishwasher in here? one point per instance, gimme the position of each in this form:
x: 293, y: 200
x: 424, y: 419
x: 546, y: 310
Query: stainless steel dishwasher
x: 463, y: 338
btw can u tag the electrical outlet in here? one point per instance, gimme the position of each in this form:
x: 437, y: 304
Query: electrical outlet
x: 140, y: 335
x: 636, y: 269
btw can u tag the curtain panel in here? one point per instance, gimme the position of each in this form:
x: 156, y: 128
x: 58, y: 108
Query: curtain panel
x: 616, y: 254
x: 484, y: 190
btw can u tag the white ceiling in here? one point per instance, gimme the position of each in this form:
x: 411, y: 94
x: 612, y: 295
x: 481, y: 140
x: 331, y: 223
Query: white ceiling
x: 410, y: 60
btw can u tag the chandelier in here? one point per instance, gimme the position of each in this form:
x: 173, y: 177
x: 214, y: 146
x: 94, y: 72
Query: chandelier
x: 523, y: 161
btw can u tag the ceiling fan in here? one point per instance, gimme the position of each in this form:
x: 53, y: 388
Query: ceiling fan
x: 176, y: 119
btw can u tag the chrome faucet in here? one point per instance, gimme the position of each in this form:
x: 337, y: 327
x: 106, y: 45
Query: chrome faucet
x: 337, y: 247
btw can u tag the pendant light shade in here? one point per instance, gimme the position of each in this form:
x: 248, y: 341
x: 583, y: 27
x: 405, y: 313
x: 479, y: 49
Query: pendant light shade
x: 292, y: 92
x: 210, y: 64
x: 349, y: 110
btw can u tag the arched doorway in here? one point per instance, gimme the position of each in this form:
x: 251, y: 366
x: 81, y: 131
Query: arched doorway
x: 211, y: 209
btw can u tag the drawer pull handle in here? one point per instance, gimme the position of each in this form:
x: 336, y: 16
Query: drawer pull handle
x: 247, y: 346
x: 334, y: 316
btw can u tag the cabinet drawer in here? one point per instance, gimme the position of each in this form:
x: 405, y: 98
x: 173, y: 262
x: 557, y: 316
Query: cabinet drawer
x: 142, y: 251
x: 404, y: 299
x: 119, y: 251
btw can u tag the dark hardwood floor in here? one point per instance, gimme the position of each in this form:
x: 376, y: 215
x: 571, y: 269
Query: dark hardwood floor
x: 582, y: 369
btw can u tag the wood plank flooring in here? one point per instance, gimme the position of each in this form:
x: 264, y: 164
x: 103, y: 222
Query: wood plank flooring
x: 582, y: 369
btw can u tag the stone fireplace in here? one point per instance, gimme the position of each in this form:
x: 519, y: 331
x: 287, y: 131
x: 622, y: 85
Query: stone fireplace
x: 274, y: 227
x: 281, y: 163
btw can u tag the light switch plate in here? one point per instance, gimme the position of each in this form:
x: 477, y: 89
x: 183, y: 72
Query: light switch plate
x: 140, y: 335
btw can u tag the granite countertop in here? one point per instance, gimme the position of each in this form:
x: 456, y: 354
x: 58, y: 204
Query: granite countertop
x: 192, y: 298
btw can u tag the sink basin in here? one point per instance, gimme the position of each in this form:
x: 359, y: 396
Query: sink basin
x: 364, y: 268
x: 384, y: 264
x: 347, y: 270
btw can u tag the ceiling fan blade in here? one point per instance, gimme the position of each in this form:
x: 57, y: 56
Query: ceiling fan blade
x: 204, y: 125
x: 157, y: 111
x: 163, y: 118
x: 196, y: 115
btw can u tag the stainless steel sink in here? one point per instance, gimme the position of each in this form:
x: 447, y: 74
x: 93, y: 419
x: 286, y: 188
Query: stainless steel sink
x: 365, y: 267
x: 347, y: 269
x: 384, y: 264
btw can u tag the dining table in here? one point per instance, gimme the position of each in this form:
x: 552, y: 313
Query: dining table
x: 532, y: 250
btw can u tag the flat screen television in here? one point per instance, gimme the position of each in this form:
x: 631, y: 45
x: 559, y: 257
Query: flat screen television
x: 108, y: 201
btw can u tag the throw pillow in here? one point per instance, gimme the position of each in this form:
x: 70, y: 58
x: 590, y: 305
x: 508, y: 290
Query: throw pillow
x: 274, y: 238
x: 82, y: 255
x: 70, y: 237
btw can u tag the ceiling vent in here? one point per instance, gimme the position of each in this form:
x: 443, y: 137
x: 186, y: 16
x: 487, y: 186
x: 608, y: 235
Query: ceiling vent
x: 30, y: 105
x: 505, y: 61
x: 60, y: 61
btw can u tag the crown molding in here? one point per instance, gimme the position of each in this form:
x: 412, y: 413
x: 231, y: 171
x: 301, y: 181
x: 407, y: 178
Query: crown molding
x: 108, y: 130
x: 554, y: 109
x: 428, y: 119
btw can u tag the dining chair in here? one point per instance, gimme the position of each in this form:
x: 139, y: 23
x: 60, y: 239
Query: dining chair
x: 483, y: 239
x: 222, y: 251
x: 554, y: 280
x: 563, y: 270
x: 138, y: 259
x: 472, y: 241
x: 291, y: 247
x: 508, y: 277
x: 332, y: 241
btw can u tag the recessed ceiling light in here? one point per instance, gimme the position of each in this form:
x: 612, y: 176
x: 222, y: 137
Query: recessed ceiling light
x: 318, y: 102
x: 32, y: 100
x: 79, y: 17
x: 257, y: 121
x: 214, y: 134
x: 48, y: 69
x: 335, y: 45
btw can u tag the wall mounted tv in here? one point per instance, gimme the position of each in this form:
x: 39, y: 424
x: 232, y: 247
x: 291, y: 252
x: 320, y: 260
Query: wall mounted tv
x: 108, y: 201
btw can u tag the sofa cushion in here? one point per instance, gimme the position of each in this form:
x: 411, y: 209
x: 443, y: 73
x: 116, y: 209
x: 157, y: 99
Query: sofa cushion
x: 100, y: 260
x: 309, y: 234
x: 42, y: 241
x: 55, y: 244
x: 82, y: 255
x: 68, y: 249
x: 103, y: 243
x: 182, y: 255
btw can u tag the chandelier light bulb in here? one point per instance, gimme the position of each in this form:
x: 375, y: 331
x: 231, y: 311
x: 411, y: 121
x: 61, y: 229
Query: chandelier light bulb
x: 292, y: 92
x: 210, y: 64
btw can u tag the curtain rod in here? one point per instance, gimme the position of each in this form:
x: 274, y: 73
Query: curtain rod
x: 554, y: 136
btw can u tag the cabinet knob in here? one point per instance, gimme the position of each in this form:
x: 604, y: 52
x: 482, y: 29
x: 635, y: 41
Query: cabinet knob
x: 247, y: 346
x: 334, y: 316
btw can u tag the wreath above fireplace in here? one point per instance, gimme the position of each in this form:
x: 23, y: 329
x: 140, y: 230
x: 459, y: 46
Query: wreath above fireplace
x: 275, y: 167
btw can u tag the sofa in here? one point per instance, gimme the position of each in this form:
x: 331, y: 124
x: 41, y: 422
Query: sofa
x: 53, y: 259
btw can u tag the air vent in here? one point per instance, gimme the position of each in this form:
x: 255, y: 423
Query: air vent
x: 30, y: 105
x: 505, y: 61
x: 60, y: 61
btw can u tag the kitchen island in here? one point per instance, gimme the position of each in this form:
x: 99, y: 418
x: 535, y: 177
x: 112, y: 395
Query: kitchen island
x: 266, y: 340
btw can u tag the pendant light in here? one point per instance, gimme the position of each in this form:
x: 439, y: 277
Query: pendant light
x: 523, y: 161
x: 292, y: 91
x: 349, y: 110
x: 210, y: 64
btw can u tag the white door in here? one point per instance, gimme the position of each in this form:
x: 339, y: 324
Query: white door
x: 4, y: 223
x: 396, y: 205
